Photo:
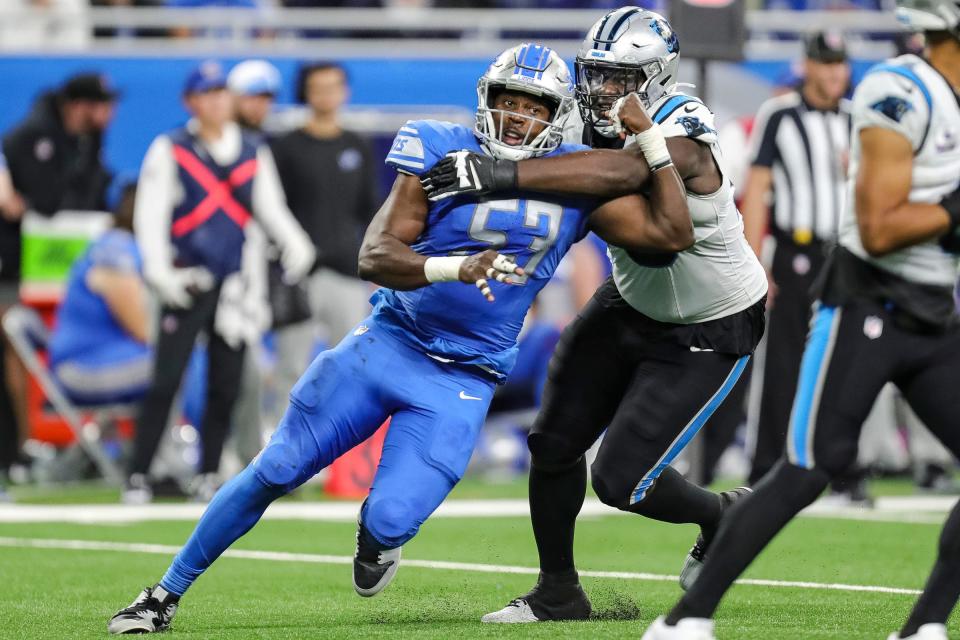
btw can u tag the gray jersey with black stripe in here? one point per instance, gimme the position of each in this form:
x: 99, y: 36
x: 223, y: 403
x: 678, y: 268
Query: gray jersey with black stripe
x: 719, y: 275
x: 908, y: 96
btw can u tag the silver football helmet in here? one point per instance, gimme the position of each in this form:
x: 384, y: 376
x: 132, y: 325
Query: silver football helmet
x: 930, y: 15
x: 528, y: 68
x: 629, y: 50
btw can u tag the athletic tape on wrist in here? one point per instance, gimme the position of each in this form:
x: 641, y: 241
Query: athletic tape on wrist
x: 445, y: 269
x: 654, y: 147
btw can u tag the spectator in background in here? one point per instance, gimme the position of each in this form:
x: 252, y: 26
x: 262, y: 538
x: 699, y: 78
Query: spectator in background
x: 99, y: 350
x: 200, y: 186
x: 11, y: 435
x: 41, y: 24
x: 255, y: 85
x: 54, y: 154
x: 329, y: 179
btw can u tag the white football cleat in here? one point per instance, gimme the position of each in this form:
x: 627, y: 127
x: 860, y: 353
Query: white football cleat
x: 518, y: 611
x: 931, y: 631
x: 685, y: 629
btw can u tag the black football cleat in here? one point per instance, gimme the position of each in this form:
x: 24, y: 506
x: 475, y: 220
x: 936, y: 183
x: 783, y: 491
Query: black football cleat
x: 151, y: 612
x: 373, y: 569
x: 697, y: 556
x: 545, y: 602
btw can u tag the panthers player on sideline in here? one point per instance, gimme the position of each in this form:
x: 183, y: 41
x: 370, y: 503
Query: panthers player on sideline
x: 433, y: 349
x: 886, y: 313
x: 662, y: 343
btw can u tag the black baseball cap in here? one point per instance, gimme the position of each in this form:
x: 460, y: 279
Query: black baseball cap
x: 826, y: 46
x: 89, y: 86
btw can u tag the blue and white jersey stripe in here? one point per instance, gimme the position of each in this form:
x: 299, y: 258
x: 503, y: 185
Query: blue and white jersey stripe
x: 407, y: 150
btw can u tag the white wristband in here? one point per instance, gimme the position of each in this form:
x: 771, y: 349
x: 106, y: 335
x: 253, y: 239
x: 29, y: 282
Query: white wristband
x: 654, y: 147
x: 446, y: 269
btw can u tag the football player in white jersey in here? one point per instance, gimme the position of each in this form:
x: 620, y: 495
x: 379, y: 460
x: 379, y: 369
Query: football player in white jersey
x: 885, y: 313
x: 663, y: 342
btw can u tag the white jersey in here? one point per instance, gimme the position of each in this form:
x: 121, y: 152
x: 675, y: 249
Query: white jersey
x: 910, y: 97
x: 719, y: 275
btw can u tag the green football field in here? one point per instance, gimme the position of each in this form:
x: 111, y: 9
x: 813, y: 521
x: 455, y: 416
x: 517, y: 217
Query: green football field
x: 292, y: 579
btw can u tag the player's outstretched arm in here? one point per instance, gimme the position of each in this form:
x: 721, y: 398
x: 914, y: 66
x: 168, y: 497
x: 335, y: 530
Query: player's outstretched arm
x: 387, y: 258
x: 886, y: 219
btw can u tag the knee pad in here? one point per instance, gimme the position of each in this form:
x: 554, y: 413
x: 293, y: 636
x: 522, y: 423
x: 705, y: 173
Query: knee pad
x: 390, y: 521
x: 551, y: 454
x: 278, y: 465
x: 610, y: 492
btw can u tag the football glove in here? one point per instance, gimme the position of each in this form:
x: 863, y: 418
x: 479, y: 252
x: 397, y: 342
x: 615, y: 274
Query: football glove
x: 463, y: 172
x: 177, y: 287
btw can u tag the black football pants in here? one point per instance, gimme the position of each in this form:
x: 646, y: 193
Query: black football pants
x: 176, y: 336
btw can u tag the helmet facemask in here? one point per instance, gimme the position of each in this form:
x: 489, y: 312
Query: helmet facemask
x: 492, y: 122
x: 599, y: 85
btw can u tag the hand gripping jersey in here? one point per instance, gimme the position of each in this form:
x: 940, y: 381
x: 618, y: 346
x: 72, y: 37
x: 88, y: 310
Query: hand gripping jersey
x: 719, y: 275
x: 910, y: 97
x: 451, y: 320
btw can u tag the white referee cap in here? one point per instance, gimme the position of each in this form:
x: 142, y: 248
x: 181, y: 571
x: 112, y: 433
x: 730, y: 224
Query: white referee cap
x: 254, y: 77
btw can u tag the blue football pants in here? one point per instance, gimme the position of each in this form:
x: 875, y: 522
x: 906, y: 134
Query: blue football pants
x: 437, y: 410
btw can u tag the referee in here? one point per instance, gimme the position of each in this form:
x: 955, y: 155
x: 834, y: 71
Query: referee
x: 795, y: 191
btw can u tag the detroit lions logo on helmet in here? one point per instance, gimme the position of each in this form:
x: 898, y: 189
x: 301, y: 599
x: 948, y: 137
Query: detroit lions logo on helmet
x: 892, y: 107
x: 662, y: 29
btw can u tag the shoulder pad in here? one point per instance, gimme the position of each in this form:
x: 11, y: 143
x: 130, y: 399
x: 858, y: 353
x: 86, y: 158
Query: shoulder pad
x: 894, y: 96
x: 420, y: 144
x: 683, y: 116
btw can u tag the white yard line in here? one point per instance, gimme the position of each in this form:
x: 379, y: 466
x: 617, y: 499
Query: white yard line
x: 910, y: 509
x: 283, y: 556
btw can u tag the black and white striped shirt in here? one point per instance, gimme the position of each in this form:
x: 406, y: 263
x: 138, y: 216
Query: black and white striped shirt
x: 807, y: 150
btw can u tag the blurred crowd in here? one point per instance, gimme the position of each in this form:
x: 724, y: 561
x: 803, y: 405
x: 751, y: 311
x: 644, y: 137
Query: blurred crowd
x: 31, y: 24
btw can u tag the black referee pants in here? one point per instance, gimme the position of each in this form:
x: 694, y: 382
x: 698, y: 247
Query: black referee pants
x: 795, y: 268
x: 175, y: 341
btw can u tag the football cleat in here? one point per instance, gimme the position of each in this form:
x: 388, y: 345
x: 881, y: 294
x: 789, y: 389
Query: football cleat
x: 685, y: 629
x: 932, y: 631
x: 544, y: 603
x: 151, y: 612
x: 373, y: 569
x: 693, y: 565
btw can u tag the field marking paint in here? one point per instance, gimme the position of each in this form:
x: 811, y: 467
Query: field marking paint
x: 904, y: 509
x: 284, y: 556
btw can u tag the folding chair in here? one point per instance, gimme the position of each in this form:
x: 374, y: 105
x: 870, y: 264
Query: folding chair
x: 29, y: 336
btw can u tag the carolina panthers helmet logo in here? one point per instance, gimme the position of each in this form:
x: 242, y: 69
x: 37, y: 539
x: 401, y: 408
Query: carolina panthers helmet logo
x: 892, y: 107
x: 662, y: 29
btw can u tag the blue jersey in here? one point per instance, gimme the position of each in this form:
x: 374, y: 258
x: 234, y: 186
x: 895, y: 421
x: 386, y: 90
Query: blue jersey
x: 85, y: 329
x: 452, y: 320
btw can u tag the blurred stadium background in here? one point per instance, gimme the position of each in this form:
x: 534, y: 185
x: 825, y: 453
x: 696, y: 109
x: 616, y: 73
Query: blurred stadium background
x: 404, y: 59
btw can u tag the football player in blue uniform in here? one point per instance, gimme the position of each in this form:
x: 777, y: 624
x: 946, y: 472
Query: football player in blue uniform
x: 458, y: 278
